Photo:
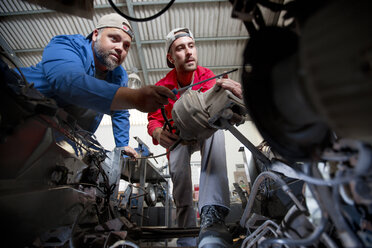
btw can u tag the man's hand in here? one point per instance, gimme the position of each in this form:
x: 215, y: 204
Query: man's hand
x: 231, y: 85
x: 165, y: 138
x: 146, y: 99
x: 129, y: 151
x: 153, y: 97
x: 236, y: 89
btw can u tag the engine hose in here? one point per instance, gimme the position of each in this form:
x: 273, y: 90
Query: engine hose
x: 322, y: 196
x: 257, y: 182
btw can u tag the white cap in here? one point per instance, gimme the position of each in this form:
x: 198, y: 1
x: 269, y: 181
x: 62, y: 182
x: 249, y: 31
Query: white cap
x: 115, y: 20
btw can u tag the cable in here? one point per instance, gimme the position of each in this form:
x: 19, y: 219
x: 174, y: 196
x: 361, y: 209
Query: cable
x: 141, y: 19
x: 322, y: 182
x: 108, y: 189
x: 155, y: 156
x: 163, y: 154
x: 167, y: 123
x: 90, y: 141
x: 344, y: 225
x: 330, y: 208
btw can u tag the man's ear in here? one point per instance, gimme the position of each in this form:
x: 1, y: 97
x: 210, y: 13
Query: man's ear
x: 169, y: 57
x: 95, y: 34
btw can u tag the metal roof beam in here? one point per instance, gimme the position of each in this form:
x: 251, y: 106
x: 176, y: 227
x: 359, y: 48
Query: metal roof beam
x: 42, y: 11
x: 148, y: 42
x: 225, y: 38
x: 138, y: 44
x: 224, y: 67
x: 176, y: 2
x: 106, y: 6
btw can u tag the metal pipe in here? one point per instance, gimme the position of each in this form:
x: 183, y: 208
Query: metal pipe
x: 259, y: 229
x: 137, y: 36
x: 299, y: 242
x: 261, y: 235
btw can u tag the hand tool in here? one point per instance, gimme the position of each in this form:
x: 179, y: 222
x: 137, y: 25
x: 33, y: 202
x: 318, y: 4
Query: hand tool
x: 176, y: 91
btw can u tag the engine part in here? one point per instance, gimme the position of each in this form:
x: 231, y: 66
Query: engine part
x: 112, y: 168
x: 255, y: 188
x: 274, y: 98
x: 198, y: 115
x: 259, y: 232
x: 336, y: 60
x: 316, y: 85
x: 152, y: 195
x: 155, y: 193
x: 45, y: 180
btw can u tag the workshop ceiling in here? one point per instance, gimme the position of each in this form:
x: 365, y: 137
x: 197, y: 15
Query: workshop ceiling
x: 25, y: 29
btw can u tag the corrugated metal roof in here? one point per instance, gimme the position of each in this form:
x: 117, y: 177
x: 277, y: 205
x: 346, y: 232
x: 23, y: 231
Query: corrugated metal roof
x: 27, y: 29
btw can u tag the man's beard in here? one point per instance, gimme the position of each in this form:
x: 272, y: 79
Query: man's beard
x: 104, y: 56
x: 189, y: 68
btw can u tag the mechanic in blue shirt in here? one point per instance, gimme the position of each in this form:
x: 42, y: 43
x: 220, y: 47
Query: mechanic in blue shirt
x: 85, y: 77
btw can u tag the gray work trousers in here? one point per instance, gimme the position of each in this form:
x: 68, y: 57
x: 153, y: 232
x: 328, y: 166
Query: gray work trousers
x: 213, y: 185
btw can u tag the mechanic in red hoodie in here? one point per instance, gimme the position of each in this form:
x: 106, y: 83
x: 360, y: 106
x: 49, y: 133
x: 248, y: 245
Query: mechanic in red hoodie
x: 214, y: 190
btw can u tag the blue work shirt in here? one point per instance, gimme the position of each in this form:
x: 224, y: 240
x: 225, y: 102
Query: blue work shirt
x: 66, y: 73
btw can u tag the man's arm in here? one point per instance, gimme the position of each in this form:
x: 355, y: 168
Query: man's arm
x: 120, y: 128
x: 146, y: 99
x: 65, y: 71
